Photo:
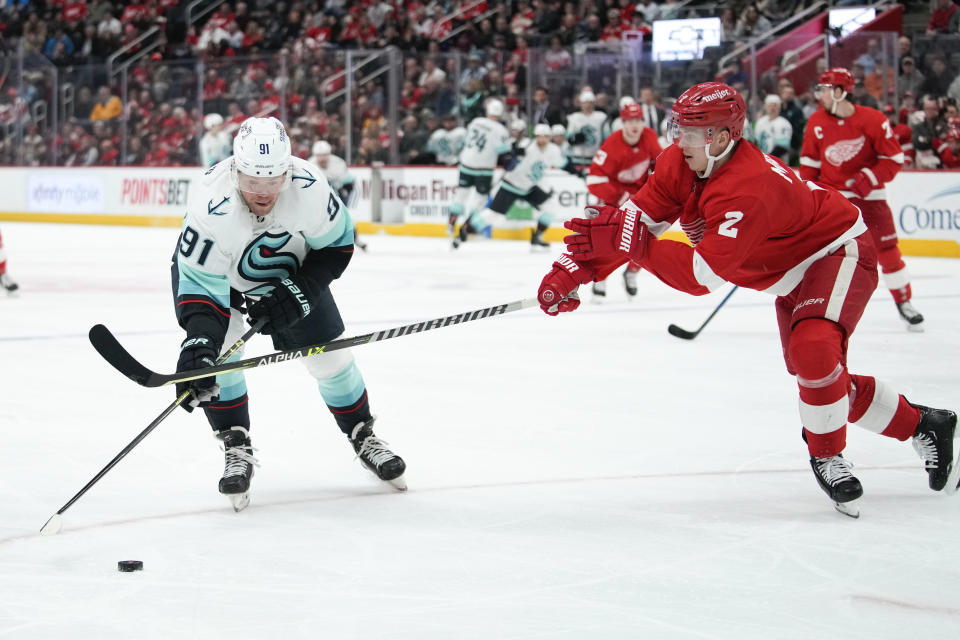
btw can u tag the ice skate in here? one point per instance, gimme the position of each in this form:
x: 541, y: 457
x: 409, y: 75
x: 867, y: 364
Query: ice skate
x: 537, y: 241
x: 452, y: 224
x: 460, y: 238
x: 238, y: 466
x: 934, y: 441
x: 377, y: 457
x: 630, y: 282
x: 834, y: 477
x: 912, y: 317
x: 599, y: 292
x: 8, y: 284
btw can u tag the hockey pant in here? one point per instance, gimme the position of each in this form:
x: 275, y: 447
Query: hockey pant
x: 816, y: 320
x: 879, y: 220
x: 473, y: 189
x: 338, y: 377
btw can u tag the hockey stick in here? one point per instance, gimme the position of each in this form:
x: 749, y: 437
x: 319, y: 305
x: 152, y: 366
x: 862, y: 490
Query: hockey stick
x: 690, y: 335
x: 114, y: 353
x: 55, y: 523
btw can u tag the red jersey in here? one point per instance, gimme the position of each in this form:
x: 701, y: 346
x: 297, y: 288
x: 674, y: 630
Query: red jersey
x: 619, y: 169
x: 762, y: 225
x: 904, y: 136
x: 836, y: 149
x: 949, y: 159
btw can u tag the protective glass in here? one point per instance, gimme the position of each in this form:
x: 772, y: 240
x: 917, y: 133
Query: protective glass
x: 689, y: 136
x: 262, y: 185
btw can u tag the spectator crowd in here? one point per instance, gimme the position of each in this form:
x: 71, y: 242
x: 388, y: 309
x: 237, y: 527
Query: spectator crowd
x: 288, y: 59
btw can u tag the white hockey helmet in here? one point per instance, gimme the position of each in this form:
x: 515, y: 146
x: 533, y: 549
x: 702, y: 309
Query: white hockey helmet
x: 322, y: 148
x: 518, y: 125
x: 625, y: 100
x: 558, y: 130
x: 587, y: 96
x: 261, y: 156
x: 494, y: 108
x: 212, y: 120
x: 541, y: 130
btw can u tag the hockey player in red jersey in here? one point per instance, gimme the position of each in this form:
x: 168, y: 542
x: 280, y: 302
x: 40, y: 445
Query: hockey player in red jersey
x: 6, y: 282
x: 762, y: 227
x: 950, y: 156
x: 903, y: 133
x: 853, y: 149
x: 619, y: 168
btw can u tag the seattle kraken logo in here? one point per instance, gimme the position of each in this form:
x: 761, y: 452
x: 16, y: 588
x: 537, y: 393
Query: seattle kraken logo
x: 263, y: 260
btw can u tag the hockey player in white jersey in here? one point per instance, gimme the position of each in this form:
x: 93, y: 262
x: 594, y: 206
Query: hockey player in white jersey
x: 486, y: 140
x: 445, y: 143
x: 558, y: 136
x: 520, y: 183
x: 585, y: 129
x: 264, y: 230
x: 337, y: 173
x: 772, y: 132
x: 216, y: 144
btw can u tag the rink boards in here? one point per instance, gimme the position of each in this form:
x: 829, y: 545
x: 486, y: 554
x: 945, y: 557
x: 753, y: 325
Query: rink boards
x: 405, y: 201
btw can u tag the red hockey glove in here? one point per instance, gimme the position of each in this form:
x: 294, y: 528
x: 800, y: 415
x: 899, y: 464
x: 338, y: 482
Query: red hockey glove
x: 558, y: 290
x: 607, y: 232
x: 861, y: 184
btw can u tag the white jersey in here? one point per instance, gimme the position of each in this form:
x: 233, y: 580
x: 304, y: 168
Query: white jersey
x: 223, y: 245
x: 592, y: 127
x: 770, y: 134
x: 446, y: 144
x: 336, y: 172
x: 214, y: 148
x: 532, y: 166
x: 484, y: 141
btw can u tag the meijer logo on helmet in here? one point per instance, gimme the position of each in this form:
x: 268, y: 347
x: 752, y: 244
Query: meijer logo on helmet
x: 720, y: 93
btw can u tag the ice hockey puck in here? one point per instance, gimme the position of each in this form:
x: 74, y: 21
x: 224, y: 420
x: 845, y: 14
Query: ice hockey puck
x: 130, y: 565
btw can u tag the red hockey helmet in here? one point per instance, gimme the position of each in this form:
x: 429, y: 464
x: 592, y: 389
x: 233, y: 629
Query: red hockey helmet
x: 712, y: 106
x: 631, y: 112
x: 837, y: 77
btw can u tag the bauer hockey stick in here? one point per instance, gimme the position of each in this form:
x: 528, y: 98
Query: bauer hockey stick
x: 114, y: 353
x: 690, y: 335
x: 55, y: 523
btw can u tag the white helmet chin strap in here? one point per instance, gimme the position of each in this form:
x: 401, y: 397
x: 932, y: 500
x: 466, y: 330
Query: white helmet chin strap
x: 712, y: 159
x: 836, y: 101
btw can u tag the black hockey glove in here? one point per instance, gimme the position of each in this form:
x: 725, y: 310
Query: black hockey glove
x: 198, y: 352
x: 282, y: 308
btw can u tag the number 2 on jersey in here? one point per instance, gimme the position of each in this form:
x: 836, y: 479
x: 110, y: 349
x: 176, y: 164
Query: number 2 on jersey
x: 727, y: 228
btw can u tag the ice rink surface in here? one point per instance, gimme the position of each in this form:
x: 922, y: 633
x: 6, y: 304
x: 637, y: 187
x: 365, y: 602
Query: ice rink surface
x: 587, y: 476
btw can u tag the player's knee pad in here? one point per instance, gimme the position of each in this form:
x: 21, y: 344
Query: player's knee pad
x: 816, y: 351
x: 327, y: 365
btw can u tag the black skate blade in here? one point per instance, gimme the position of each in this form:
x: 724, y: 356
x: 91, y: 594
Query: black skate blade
x: 850, y: 509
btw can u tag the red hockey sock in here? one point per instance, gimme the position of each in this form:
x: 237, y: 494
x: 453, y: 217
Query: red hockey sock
x: 816, y: 353
x: 877, y: 407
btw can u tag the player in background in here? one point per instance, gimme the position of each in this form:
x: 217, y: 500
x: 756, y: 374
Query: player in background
x: 335, y: 170
x: 445, y: 143
x: 772, y: 131
x: 262, y: 231
x: 5, y: 280
x: 558, y: 136
x: 620, y: 168
x: 950, y: 156
x: 216, y: 144
x: 518, y: 133
x: 902, y: 132
x: 521, y: 183
x: 485, y: 142
x: 618, y: 122
x: 585, y: 129
x: 853, y: 149
x: 812, y: 250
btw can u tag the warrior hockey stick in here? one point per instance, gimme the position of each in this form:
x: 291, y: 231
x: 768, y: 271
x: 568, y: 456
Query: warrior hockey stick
x: 690, y: 335
x: 55, y: 522
x: 114, y: 353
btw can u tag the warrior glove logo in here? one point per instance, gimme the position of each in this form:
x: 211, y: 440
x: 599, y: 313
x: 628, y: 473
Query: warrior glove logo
x: 626, y: 232
x: 567, y: 263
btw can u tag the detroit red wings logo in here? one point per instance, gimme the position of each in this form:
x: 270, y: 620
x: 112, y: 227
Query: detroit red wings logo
x: 635, y: 173
x: 843, y: 150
